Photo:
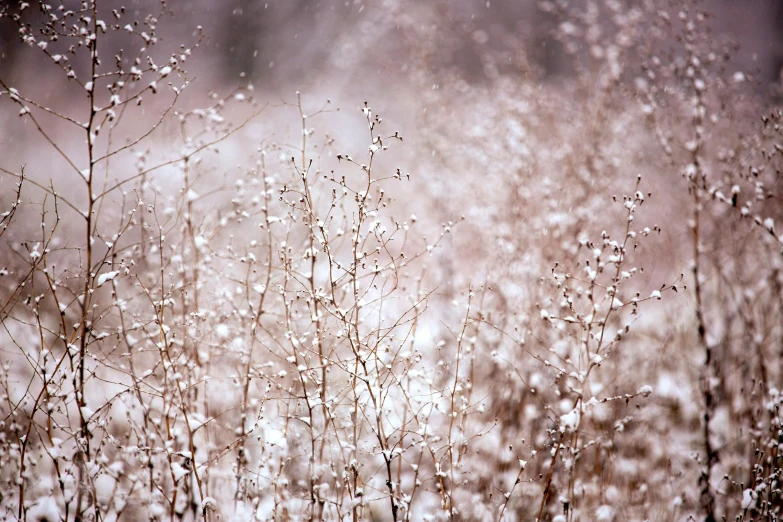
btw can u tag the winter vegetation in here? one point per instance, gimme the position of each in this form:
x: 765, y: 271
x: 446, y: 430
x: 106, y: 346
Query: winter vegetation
x: 529, y: 295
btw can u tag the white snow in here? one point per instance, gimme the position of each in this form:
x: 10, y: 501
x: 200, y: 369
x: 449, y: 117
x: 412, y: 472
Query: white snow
x: 748, y: 496
x: 105, y: 277
x: 570, y: 420
x: 646, y: 390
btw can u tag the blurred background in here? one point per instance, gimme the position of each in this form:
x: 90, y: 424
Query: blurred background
x: 284, y: 45
x: 527, y: 119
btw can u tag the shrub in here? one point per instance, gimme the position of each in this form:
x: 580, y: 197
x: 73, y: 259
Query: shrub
x: 195, y: 327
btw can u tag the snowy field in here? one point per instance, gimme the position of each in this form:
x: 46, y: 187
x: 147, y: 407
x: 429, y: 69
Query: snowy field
x: 399, y: 260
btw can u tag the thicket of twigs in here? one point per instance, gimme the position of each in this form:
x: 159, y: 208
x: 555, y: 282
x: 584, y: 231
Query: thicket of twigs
x: 583, y: 320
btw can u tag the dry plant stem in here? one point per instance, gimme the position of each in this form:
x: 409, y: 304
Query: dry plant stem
x: 43, y: 394
x: 5, y: 222
x: 201, y: 368
x: 166, y: 361
x: 697, y: 190
x: 377, y: 402
x: 84, y: 435
x: 7, y: 217
x: 698, y: 179
x: 591, y: 364
x: 309, y: 209
x: 449, y: 507
x: 301, y: 368
x: 258, y: 313
x: 549, y: 475
x: 711, y: 457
